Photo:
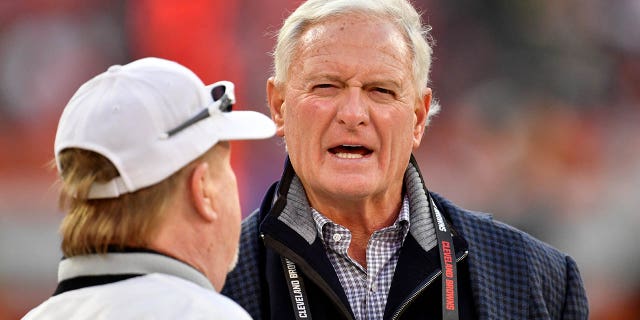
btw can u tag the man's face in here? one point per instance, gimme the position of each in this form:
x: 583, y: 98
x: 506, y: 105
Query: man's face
x: 349, y: 112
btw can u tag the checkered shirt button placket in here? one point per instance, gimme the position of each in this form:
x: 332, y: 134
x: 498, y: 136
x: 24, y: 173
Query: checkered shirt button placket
x: 366, y: 289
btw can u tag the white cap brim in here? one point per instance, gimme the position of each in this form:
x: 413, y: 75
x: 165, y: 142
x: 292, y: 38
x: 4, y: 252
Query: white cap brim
x: 243, y: 125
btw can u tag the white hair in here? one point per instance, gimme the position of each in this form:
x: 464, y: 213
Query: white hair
x: 399, y: 12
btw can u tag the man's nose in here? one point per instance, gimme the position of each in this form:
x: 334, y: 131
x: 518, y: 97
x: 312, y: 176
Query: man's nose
x: 353, y: 110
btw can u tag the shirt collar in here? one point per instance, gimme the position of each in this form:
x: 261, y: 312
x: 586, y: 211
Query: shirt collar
x: 114, y: 263
x: 402, y: 222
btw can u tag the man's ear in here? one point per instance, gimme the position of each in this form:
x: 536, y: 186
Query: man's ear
x: 275, y: 99
x: 201, y: 192
x: 421, y: 111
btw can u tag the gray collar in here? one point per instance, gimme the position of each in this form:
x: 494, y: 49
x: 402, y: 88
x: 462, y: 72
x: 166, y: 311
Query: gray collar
x: 129, y: 263
x: 298, y: 216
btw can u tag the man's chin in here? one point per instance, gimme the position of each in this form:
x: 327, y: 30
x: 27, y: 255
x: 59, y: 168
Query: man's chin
x: 354, y: 188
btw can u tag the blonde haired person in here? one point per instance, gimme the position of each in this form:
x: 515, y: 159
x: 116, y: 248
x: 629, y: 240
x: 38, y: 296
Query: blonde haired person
x: 153, y: 215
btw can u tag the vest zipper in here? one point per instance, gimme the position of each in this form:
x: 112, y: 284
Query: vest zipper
x: 420, y: 289
x: 284, y: 251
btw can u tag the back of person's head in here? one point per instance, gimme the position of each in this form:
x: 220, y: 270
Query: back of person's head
x: 399, y: 12
x: 127, y: 138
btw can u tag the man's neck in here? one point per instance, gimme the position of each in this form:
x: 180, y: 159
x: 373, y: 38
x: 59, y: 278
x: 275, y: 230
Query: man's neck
x: 362, y: 220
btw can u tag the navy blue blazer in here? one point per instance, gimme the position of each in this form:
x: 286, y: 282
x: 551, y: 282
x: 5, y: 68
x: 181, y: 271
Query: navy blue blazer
x: 511, y: 274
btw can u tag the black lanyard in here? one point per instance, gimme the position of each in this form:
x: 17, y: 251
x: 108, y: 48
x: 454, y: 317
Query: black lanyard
x: 447, y: 264
x: 298, y: 294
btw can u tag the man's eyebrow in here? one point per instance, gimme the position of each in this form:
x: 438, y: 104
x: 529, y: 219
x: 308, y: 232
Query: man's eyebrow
x: 391, y: 84
x: 322, y: 76
x: 394, y: 84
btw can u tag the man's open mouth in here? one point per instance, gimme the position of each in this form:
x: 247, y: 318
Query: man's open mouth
x: 346, y: 151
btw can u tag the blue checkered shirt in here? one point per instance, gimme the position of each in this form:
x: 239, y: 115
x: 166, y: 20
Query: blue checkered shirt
x: 367, y: 289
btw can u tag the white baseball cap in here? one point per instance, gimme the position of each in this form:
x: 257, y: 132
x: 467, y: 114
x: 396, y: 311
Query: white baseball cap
x: 150, y: 118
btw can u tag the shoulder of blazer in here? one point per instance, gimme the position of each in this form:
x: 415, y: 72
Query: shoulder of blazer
x: 512, y: 272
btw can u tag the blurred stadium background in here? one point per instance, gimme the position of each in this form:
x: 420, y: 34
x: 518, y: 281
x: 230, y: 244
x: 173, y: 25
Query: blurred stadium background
x: 540, y: 122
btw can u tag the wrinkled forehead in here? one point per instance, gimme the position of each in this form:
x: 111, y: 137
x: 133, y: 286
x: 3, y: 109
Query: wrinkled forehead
x: 355, y: 26
x: 352, y: 45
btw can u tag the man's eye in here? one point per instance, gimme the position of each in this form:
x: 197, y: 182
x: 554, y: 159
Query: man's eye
x: 323, y: 86
x: 325, y: 89
x: 385, y: 91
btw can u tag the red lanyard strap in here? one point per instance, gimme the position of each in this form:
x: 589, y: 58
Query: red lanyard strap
x: 447, y: 264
